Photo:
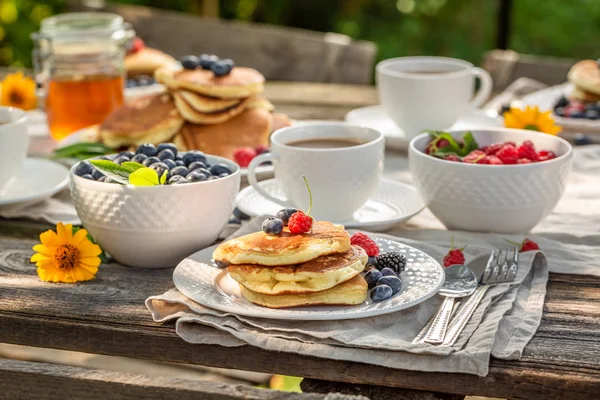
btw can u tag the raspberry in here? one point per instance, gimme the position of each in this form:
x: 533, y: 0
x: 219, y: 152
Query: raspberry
x: 136, y: 45
x: 493, y: 148
x: 524, y: 161
x: 300, y: 223
x: 452, y: 157
x: 454, y: 256
x: 262, y: 149
x: 508, y: 154
x: 529, y: 245
x: 491, y: 160
x: 395, y: 261
x: 244, y: 155
x: 546, y: 155
x: 474, y: 156
x: 527, y: 150
x: 362, y: 240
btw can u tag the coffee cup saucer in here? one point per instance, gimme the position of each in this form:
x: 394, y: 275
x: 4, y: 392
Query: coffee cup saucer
x: 38, y: 180
x: 392, y: 203
x: 375, y: 117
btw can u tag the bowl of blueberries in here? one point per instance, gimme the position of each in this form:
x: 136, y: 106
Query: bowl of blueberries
x: 156, y: 226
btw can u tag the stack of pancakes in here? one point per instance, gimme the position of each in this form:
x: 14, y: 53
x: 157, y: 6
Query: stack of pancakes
x: 290, y: 270
x: 585, y: 77
x: 199, y: 111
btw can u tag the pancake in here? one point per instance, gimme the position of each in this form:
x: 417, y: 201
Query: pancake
x: 260, y: 102
x: 586, y: 76
x: 205, y: 104
x: 148, y: 119
x: 280, y: 121
x: 252, y: 128
x: 192, y: 115
x: 147, y: 60
x: 286, y: 248
x: 239, y: 83
x: 351, y: 292
x: 319, y: 274
x: 582, y: 95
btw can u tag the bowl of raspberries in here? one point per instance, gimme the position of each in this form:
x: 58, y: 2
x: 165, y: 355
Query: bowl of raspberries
x: 490, y: 180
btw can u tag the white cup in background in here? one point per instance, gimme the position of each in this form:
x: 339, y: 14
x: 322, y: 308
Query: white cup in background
x: 341, y: 179
x: 420, y: 93
x: 13, y: 143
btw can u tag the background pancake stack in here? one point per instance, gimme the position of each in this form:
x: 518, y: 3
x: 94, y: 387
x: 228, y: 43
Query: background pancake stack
x: 585, y: 77
x: 290, y: 270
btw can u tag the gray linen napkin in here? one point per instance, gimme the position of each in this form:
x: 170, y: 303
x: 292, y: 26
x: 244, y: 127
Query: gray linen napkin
x: 383, y: 340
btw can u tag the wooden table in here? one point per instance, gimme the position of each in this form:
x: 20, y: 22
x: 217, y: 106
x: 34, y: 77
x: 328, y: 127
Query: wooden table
x: 107, y: 316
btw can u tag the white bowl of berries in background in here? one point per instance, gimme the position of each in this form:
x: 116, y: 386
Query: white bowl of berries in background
x: 491, y: 180
x: 155, y: 226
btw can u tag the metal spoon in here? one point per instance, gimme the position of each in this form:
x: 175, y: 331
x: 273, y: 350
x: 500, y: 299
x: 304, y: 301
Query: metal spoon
x: 460, y: 282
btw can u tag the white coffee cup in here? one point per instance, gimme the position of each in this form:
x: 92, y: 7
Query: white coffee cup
x: 341, y: 179
x: 420, y: 93
x: 13, y: 143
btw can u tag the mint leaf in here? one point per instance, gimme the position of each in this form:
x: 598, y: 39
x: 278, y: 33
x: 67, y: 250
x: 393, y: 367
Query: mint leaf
x: 84, y: 149
x: 116, y: 172
x: 453, y: 147
x: 132, y: 165
x: 163, y: 178
x: 144, y: 177
x: 469, y: 143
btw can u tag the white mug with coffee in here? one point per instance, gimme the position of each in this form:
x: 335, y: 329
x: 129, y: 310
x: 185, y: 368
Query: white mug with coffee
x: 342, y: 164
x: 421, y: 93
x: 13, y: 143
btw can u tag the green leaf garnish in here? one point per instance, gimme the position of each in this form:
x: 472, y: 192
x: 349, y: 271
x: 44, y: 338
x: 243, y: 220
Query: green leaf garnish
x: 132, y: 165
x: 116, y: 172
x: 453, y: 147
x: 469, y: 143
x: 82, y: 150
x: 163, y: 178
x: 309, y: 195
x: 144, y: 177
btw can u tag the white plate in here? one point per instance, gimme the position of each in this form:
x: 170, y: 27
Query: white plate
x: 376, y: 118
x: 89, y: 134
x: 394, y: 202
x: 38, y: 180
x: 545, y: 100
x: 198, y: 278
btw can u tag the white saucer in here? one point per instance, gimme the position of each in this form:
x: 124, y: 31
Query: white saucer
x: 394, y: 202
x: 38, y: 180
x: 376, y: 118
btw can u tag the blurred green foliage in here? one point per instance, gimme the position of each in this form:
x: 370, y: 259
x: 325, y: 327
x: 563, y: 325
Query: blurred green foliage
x: 457, y: 28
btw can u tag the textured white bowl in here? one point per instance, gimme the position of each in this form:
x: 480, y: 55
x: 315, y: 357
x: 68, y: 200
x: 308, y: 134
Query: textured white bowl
x: 489, y: 198
x: 155, y: 226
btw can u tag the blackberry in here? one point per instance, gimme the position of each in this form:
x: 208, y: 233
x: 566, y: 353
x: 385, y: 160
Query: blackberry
x: 393, y: 260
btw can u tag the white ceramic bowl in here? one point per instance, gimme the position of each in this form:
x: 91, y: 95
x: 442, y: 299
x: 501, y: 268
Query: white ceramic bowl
x: 13, y: 143
x: 492, y: 198
x: 155, y: 226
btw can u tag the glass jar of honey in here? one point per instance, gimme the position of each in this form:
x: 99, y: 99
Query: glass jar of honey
x: 79, y: 66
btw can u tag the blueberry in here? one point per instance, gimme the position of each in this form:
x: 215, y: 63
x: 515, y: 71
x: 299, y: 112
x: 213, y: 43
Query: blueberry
x: 177, y: 180
x: 204, y: 171
x: 392, y: 281
x: 131, y: 83
x: 220, y: 68
x: 196, y: 176
x: 560, y: 111
x: 272, y: 226
x: 83, y: 168
x: 239, y: 214
x: 582, y: 140
x: 372, y: 276
x: 189, y: 62
x: 223, y: 175
x: 388, y: 272
x: 145, y: 80
x: 577, y: 115
x: 165, y: 146
x: 166, y: 155
x: 179, y: 155
x: 121, y: 160
x: 207, y: 60
x: 372, y: 261
x: 105, y: 179
x: 181, y: 171
x: 196, y: 165
x: 592, y: 114
x: 151, y: 160
x: 97, y: 174
x: 381, y: 293
x: 562, y: 102
x: 219, y: 169
x: 147, y: 149
x: 170, y: 163
x: 194, y: 155
x: 285, y: 214
x: 160, y: 168
x: 87, y: 176
x: 179, y: 163
x: 139, y: 158
x: 212, y: 178
x: 107, y: 158
x: 127, y: 154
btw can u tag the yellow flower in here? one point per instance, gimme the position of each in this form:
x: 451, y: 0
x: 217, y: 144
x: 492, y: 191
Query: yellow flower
x: 66, y: 257
x: 17, y: 90
x: 531, y: 118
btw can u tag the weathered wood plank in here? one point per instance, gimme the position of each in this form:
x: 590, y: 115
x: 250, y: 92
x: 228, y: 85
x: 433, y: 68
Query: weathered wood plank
x: 28, y: 380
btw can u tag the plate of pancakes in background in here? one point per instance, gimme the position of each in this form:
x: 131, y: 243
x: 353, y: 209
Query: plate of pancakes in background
x: 312, y: 276
x: 570, y: 101
x: 197, y: 110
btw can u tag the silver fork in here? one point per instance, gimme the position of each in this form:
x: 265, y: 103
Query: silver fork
x: 502, y: 267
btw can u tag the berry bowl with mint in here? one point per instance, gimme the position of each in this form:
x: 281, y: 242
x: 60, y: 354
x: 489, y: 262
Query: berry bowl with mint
x: 490, y: 180
x: 154, y: 206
